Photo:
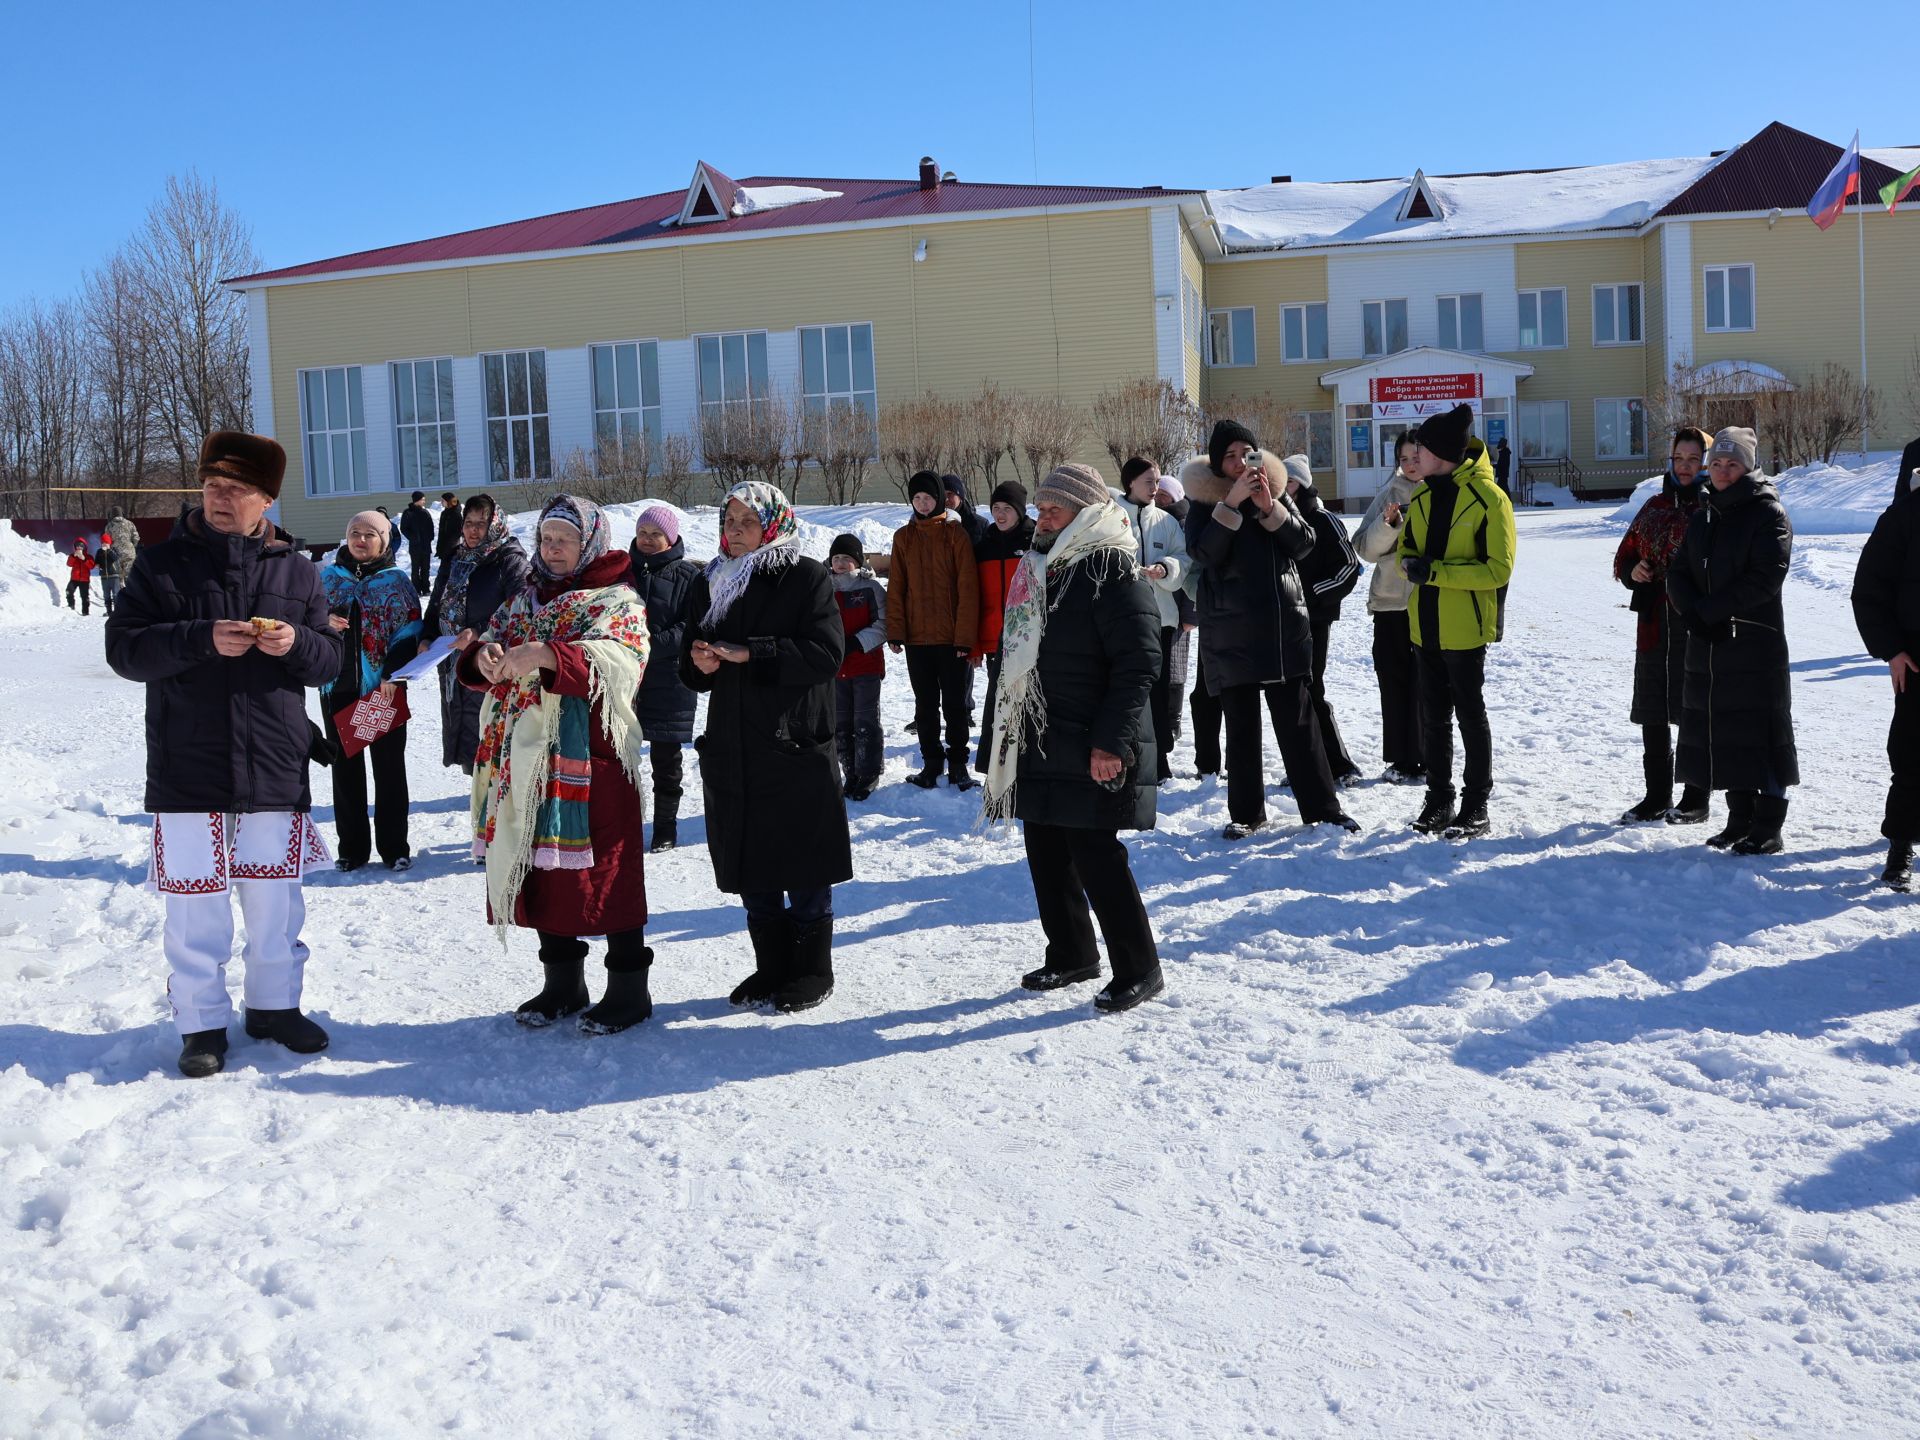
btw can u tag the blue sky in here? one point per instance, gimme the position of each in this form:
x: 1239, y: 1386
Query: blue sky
x: 340, y: 125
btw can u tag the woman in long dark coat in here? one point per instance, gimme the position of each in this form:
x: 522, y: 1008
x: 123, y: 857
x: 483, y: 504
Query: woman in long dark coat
x: 765, y: 642
x: 486, y: 569
x: 663, y: 575
x: 1736, y: 724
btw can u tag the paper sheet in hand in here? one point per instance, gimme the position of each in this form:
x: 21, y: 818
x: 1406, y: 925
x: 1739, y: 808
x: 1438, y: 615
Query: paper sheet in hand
x: 425, y: 660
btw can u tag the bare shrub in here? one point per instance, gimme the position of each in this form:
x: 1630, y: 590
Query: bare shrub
x: 1273, y: 421
x: 617, y: 474
x: 1047, y: 431
x: 746, y: 440
x: 841, y: 440
x: 1149, y: 418
x: 674, y: 480
x: 984, y: 435
x: 916, y: 435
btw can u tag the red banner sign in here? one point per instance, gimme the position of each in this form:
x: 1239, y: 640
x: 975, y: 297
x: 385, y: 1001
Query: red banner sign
x: 1426, y: 387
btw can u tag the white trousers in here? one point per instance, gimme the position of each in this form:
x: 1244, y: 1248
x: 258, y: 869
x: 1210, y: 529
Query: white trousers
x: 199, y: 942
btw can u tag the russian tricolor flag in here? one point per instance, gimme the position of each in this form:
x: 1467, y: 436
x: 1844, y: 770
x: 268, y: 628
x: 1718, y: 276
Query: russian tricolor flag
x: 1842, y: 182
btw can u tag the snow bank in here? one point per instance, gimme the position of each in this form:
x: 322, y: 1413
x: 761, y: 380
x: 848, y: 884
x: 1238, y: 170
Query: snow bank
x: 751, y: 200
x: 32, y: 581
x: 1821, y: 499
x: 700, y: 526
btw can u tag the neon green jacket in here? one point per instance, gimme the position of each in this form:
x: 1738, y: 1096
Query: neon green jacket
x: 1477, y: 563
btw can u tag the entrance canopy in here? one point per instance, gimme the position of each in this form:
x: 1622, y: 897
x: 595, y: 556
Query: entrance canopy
x: 1378, y: 401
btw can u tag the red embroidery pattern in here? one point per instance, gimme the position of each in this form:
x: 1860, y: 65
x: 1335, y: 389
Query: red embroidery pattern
x: 213, y: 884
x: 286, y: 868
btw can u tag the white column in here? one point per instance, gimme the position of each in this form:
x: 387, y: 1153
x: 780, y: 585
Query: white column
x: 376, y: 410
x: 1676, y: 264
x: 569, y: 405
x: 469, y: 425
x: 260, y: 363
x: 1168, y: 345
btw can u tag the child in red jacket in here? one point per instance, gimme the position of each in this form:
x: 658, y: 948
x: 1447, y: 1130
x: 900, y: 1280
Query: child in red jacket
x: 856, y: 689
x: 80, y: 566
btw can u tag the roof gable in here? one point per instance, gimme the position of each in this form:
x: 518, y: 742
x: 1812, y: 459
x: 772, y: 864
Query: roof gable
x: 1419, y: 202
x: 710, y: 197
x: 1778, y: 169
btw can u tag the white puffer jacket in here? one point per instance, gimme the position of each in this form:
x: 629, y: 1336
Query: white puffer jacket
x: 1162, y: 542
x: 1388, y: 591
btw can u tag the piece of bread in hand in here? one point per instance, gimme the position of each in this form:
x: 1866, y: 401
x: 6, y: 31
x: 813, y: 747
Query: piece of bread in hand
x: 261, y: 624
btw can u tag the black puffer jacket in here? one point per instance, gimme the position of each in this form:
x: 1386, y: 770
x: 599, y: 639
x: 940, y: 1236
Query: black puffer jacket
x: 496, y: 580
x: 449, y: 527
x: 1099, y: 657
x: 1252, y: 605
x: 1332, y: 570
x: 1736, y: 720
x: 665, y: 706
x: 223, y: 734
x: 1886, y: 584
x: 775, y: 817
x: 416, y: 525
x: 971, y: 520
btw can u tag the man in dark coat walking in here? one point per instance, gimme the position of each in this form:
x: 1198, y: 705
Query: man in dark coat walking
x: 1886, y: 607
x: 1073, y: 747
x: 451, y: 515
x: 226, y: 625
x: 417, y: 529
x: 663, y: 575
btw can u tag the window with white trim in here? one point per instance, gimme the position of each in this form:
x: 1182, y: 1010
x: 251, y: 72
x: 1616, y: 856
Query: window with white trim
x: 334, y: 430
x: 1543, y: 319
x: 1230, y: 338
x: 1620, y: 429
x: 1543, y: 430
x: 1462, y: 322
x: 1303, y: 332
x: 519, y: 445
x: 1311, y: 434
x: 423, y: 425
x: 626, y: 399
x: 1729, y: 297
x: 1383, y: 327
x: 836, y: 368
x: 1616, y: 315
x: 733, y: 369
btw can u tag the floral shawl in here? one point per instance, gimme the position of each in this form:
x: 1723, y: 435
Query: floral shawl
x: 727, y: 575
x: 389, y: 610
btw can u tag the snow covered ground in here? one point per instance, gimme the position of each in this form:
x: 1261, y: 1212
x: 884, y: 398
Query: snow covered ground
x: 1574, y: 1130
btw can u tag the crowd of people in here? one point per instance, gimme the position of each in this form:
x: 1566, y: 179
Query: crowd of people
x: 574, y: 673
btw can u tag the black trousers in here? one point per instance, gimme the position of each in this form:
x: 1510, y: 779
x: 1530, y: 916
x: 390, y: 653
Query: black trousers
x: 1338, y: 760
x: 389, y: 831
x: 1903, y: 750
x: 421, y: 564
x: 856, y: 728
x: 1452, y: 682
x: 984, y: 751
x: 669, y: 763
x: 1298, y: 732
x: 1397, y: 668
x: 803, y: 907
x: 80, y: 588
x: 941, y: 679
x: 1072, y: 869
x: 1206, y: 717
x: 1160, y: 703
x: 626, y: 949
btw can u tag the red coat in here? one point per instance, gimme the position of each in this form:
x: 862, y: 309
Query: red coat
x: 856, y: 614
x: 81, y: 568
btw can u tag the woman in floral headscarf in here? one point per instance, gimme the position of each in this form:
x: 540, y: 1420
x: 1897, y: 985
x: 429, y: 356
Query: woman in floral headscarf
x: 765, y: 641
x: 556, y: 803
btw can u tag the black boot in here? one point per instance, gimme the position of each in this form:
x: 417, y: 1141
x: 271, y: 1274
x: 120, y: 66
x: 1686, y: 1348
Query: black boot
x: 1899, y: 872
x: 926, y: 777
x: 958, y: 776
x: 1437, y: 814
x: 565, y: 992
x: 1739, y: 818
x: 1472, y: 820
x: 1769, y: 814
x: 289, y: 1028
x: 203, y: 1053
x: 1692, y: 808
x: 772, y: 960
x: 1118, y: 996
x: 627, y: 1001
x: 811, y: 979
x: 1659, y: 799
x: 666, y: 829
x: 1052, y: 977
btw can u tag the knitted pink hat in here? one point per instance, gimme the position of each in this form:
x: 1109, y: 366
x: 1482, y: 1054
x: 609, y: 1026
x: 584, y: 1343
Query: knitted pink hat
x: 663, y: 518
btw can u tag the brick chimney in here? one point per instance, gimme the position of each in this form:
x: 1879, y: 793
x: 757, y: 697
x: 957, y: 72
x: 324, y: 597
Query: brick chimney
x: 929, y: 173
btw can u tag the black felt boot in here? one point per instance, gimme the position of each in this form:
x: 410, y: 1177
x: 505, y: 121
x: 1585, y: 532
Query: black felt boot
x: 666, y: 830
x: 1692, y: 807
x: 1899, y: 872
x: 811, y: 979
x: 1659, y: 797
x: 203, y: 1053
x: 289, y: 1028
x: 627, y: 1001
x: 1769, y: 814
x: 772, y: 960
x: 1739, y: 818
x: 565, y: 993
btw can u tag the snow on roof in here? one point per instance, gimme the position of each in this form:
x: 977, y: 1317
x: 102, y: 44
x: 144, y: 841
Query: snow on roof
x: 1360, y: 212
x: 1901, y: 159
x: 752, y: 199
x: 1736, y: 377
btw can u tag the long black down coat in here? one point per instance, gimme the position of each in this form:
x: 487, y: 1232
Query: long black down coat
x: 496, y: 580
x: 1254, y: 628
x: 1886, y: 584
x: 1736, y: 718
x: 1099, y: 657
x: 775, y: 816
x: 223, y: 734
x: 665, y: 706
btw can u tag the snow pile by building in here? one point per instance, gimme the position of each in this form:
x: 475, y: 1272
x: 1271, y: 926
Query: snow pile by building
x: 1820, y: 499
x: 752, y: 199
x: 31, y: 581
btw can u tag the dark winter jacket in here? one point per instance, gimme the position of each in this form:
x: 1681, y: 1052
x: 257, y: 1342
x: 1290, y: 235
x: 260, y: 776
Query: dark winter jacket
x: 996, y: 556
x: 1660, y: 648
x: 975, y: 524
x: 1332, y: 570
x: 1736, y: 723
x: 223, y: 734
x: 775, y: 816
x: 1099, y: 657
x: 1886, y: 583
x: 1904, y: 477
x: 449, y: 540
x: 665, y: 706
x: 417, y: 528
x: 1254, y: 628
x: 933, y: 584
x: 496, y: 580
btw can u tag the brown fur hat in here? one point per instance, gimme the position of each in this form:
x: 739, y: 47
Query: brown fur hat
x: 251, y: 459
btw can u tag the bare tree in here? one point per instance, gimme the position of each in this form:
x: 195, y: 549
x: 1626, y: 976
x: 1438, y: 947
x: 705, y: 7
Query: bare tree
x: 1271, y: 419
x: 841, y: 440
x: 676, y: 469
x: 196, y: 336
x: 1148, y: 418
x: 746, y: 440
x: 124, y: 385
x: 983, y: 435
x: 1049, y: 430
x: 916, y: 435
x: 617, y: 474
x: 1910, y: 390
x: 45, y: 400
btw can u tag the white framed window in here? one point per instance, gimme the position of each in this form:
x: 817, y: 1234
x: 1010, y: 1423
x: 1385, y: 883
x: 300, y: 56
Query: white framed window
x: 519, y: 445
x: 1303, y: 332
x: 1230, y: 338
x: 1462, y: 322
x: 425, y: 453
x: 334, y: 430
x: 1729, y: 297
x: 1620, y: 429
x: 1543, y: 319
x: 1543, y: 430
x: 1616, y: 315
x: 733, y: 369
x: 1383, y: 327
x: 1311, y: 434
x: 836, y: 368
x: 626, y: 396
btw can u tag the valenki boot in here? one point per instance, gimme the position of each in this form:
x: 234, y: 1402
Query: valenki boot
x: 772, y: 960
x: 1739, y: 818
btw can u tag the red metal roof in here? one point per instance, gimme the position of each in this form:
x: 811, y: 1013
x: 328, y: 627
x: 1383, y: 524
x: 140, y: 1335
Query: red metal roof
x: 639, y: 220
x: 1780, y: 167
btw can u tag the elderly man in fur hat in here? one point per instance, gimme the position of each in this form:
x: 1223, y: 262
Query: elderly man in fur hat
x: 225, y: 623
x: 1072, y: 755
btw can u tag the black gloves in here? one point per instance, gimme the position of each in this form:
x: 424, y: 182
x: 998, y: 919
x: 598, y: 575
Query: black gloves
x: 1417, y: 568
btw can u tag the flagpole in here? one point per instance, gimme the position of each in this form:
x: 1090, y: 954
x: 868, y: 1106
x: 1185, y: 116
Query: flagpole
x: 1860, y: 204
